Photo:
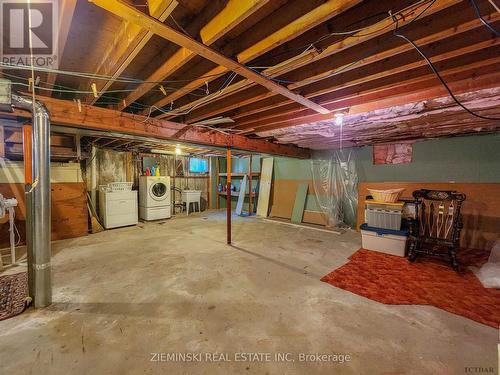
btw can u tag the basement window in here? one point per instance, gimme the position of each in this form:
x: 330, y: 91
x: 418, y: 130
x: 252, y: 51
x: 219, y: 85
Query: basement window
x: 197, y: 165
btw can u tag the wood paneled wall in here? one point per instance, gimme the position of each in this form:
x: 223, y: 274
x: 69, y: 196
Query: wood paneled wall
x: 481, y: 209
x: 69, y: 211
x: 283, y: 199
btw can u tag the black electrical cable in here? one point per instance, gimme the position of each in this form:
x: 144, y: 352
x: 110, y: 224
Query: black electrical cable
x: 485, y: 23
x: 436, y: 72
x: 366, y: 55
x: 347, y: 32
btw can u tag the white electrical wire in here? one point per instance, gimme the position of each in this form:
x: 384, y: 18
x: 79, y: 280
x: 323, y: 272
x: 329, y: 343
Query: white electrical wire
x: 497, y: 8
x: 189, y: 110
x: 139, y: 81
x: 178, y: 112
x: 98, y: 76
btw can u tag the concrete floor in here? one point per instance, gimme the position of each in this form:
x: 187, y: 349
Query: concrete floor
x: 123, y: 294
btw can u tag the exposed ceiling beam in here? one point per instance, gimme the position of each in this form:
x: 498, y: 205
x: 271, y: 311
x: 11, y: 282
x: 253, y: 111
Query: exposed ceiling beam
x: 234, y: 13
x: 63, y: 112
x: 318, y: 15
x: 121, y: 9
x: 130, y: 39
x: 66, y: 12
x: 375, y: 30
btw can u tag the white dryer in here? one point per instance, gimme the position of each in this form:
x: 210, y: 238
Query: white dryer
x: 154, y: 197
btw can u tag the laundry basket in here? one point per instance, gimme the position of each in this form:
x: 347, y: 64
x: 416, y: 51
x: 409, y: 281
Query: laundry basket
x: 391, y: 195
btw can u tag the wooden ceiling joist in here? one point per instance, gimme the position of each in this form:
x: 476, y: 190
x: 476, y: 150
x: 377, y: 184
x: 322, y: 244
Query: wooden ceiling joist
x: 306, y: 60
x: 234, y: 13
x: 127, y: 12
x: 274, y: 109
x: 379, y: 28
x: 63, y: 112
x: 290, y: 31
x: 127, y: 44
x: 361, y: 76
x: 460, y: 79
x: 258, y: 110
x: 66, y: 12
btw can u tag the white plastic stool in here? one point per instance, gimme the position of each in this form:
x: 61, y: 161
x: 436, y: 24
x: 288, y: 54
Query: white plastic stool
x: 191, y: 196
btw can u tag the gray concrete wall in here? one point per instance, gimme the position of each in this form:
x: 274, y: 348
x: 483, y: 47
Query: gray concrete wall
x: 111, y: 166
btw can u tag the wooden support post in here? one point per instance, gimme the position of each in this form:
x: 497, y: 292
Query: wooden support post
x: 217, y: 172
x: 78, y: 146
x: 250, y: 176
x: 93, y: 174
x: 129, y: 172
x: 2, y: 142
x: 228, y: 196
x: 209, y: 184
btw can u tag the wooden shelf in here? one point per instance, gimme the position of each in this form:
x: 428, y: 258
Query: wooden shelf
x: 252, y: 179
x: 197, y: 176
x: 254, y: 174
x: 235, y: 194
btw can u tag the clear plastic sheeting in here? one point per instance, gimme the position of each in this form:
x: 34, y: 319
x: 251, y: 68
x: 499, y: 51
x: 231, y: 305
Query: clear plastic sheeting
x: 335, y: 182
x: 489, y: 273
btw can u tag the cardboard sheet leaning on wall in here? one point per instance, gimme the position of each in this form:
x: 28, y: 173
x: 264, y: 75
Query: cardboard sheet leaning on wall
x: 335, y: 182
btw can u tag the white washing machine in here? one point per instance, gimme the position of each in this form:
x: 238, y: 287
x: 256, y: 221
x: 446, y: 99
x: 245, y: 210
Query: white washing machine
x: 154, y: 197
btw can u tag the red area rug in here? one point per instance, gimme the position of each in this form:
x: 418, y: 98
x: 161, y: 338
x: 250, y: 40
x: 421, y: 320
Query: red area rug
x: 393, y: 280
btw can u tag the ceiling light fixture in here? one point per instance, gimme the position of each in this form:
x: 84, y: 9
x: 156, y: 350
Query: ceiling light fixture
x: 178, y: 150
x: 167, y: 152
x: 339, y: 118
x: 159, y: 151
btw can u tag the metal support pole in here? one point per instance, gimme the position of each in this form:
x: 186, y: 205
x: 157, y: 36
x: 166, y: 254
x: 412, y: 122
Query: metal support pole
x: 12, y: 236
x: 93, y: 176
x: 39, y: 249
x: 228, y: 196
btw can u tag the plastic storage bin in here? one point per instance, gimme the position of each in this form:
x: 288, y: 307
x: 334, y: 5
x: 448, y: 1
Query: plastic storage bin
x: 383, y: 215
x: 387, y: 241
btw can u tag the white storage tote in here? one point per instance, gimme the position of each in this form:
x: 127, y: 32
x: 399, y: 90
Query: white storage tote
x: 384, y: 240
x: 383, y: 215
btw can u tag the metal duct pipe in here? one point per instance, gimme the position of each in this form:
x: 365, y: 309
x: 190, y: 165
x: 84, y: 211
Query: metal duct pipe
x: 38, y: 203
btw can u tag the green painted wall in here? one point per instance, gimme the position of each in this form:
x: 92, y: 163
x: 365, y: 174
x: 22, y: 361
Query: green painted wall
x: 461, y: 159
x: 292, y: 169
x: 240, y: 165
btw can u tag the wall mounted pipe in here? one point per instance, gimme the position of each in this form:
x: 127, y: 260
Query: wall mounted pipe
x: 38, y: 203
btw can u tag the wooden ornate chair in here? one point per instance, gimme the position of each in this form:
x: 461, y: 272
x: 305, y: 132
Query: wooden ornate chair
x: 437, y: 224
